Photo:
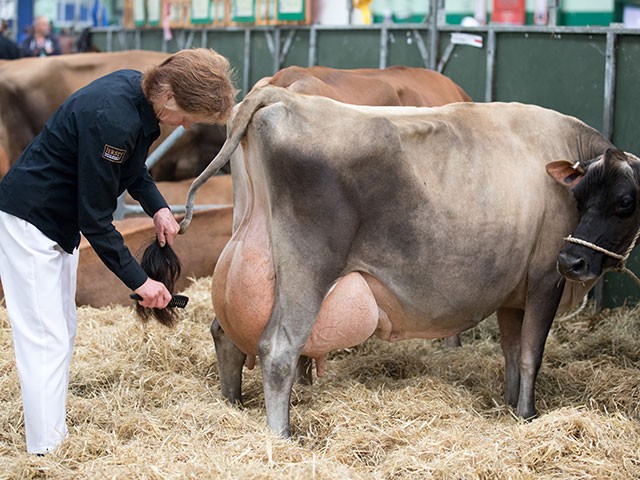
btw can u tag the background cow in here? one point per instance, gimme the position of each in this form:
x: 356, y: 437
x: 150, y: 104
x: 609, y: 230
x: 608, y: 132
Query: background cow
x: 404, y: 223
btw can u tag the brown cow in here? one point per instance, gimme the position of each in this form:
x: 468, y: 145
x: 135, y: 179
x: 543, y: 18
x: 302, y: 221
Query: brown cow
x: 218, y: 191
x: 98, y: 287
x: 31, y: 90
x: 393, y: 86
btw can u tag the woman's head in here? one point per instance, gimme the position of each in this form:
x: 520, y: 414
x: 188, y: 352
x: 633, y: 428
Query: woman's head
x: 191, y: 86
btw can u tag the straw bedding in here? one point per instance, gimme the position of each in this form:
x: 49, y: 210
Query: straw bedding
x: 144, y: 403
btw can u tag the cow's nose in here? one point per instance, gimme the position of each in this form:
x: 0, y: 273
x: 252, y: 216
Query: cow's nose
x: 572, y: 267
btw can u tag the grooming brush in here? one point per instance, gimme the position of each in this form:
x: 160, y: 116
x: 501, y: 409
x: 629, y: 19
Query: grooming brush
x: 179, y: 301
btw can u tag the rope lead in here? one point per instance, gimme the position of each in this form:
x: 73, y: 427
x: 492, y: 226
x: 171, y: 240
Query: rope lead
x: 622, y: 264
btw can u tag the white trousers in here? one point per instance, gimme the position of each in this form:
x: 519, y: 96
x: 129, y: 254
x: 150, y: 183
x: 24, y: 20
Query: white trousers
x: 39, y: 283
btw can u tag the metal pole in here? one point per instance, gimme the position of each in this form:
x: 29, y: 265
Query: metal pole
x: 384, y: 46
x: 313, y: 46
x: 433, y: 34
x: 552, y: 19
x: 607, y: 126
x: 609, y: 85
x: 276, y: 50
x: 491, y: 58
x: 246, y: 61
x: 164, y: 146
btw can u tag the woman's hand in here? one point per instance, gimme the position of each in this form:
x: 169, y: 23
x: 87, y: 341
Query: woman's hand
x: 166, y: 226
x: 154, y: 294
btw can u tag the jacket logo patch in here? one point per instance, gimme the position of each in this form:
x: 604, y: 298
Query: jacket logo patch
x: 113, y: 154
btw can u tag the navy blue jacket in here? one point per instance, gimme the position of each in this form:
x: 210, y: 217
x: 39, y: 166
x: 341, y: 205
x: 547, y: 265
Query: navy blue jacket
x: 30, y: 48
x: 91, y: 150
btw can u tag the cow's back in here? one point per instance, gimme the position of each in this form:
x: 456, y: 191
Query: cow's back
x: 393, y: 86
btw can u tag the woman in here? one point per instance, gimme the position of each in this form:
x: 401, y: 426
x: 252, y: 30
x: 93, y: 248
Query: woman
x: 67, y: 182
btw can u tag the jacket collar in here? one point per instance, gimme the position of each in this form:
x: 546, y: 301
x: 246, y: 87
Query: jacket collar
x: 150, y: 123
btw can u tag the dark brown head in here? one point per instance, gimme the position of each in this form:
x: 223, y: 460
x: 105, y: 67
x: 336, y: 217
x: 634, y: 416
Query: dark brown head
x: 607, y: 192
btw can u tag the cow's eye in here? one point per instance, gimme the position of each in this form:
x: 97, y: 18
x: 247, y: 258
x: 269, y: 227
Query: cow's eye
x: 626, y: 205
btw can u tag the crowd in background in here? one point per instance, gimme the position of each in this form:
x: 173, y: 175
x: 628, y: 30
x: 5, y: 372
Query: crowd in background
x: 39, y: 42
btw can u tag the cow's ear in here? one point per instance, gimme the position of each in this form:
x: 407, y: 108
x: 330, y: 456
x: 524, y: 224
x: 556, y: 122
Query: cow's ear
x: 565, y: 172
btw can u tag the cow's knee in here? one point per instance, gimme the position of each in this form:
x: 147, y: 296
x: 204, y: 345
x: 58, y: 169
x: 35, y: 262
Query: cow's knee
x: 278, y: 363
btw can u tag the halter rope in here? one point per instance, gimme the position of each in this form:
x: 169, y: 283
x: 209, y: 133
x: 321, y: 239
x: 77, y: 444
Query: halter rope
x: 622, y: 264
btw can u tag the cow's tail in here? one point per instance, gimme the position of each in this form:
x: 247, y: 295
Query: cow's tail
x: 161, y: 264
x: 254, y: 101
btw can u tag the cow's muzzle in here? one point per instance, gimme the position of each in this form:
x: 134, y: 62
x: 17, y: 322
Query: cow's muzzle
x: 575, y: 267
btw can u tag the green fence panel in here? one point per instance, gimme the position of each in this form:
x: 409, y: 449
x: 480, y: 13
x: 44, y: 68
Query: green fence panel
x: 467, y: 66
x: 261, y: 59
x: 403, y: 48
x: 152, y: 40
x: 230, y: 44
x: 620, y: 288
x: 562, y: 72
x: 348, y: 48
x: 298, y: 53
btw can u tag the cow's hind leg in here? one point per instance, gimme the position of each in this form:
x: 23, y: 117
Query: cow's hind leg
x: 541, y: 307
x: 304, y: 373
x: 452, y: 341
x: 510, y: 322
x: 230, y: 362
x: 312, y: 230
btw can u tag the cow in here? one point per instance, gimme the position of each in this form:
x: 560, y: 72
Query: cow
x: 396, y: 85
x: 393, y: 86
x: 408, y: 222
x: 98, y: 287
x: 31, y: 89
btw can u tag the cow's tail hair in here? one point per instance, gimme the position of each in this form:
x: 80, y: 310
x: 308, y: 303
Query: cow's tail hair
x: 255, y: 100
x: 161, y: 264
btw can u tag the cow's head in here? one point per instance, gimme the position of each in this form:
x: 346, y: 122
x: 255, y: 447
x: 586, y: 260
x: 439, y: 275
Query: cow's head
x: 607, y: 191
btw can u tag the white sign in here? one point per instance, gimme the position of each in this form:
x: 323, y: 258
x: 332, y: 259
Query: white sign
x: 244, y: 8
x: 138, y: 11
x: 153, y: 8
x: 466, y: 39
x: 200, y: 9
x: 290, y: 6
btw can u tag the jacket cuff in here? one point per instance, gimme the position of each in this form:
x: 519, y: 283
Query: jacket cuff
x: 154, y: 203
x: 133, y: 276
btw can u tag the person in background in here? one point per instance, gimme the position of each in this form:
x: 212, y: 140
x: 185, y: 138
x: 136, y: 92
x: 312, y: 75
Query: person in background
x: 8, y: 48
x: 41, y: 42
x: 67, y: 182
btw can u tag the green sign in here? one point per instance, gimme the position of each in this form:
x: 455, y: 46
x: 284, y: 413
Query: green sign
x: 291, y: 10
